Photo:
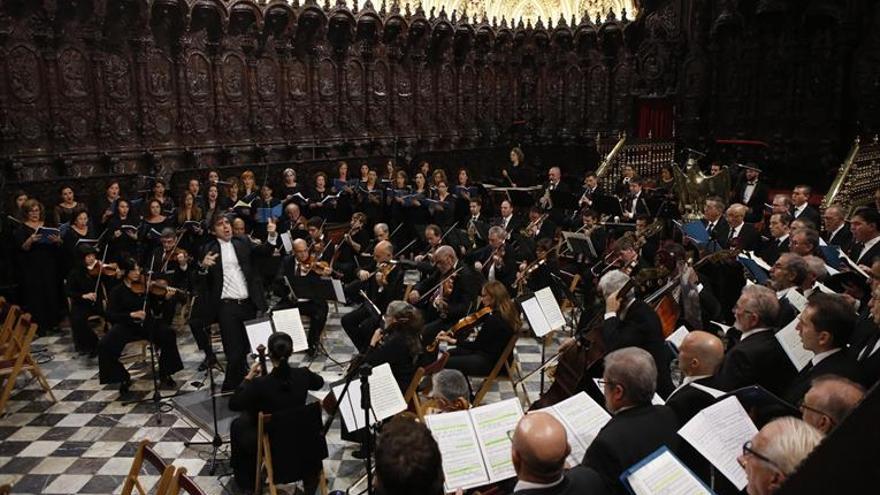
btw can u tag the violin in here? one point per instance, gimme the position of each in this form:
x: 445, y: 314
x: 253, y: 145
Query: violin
x: 462, y: 324
x: 106, y: 269
x: 261, y: 355
x: 158, y: 288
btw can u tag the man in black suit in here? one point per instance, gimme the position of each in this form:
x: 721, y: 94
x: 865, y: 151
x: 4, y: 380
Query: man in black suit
x: 496, y: 260
x: 714, y: 221
x: 477, y: 225
x: 740, y: 235
x: 590, y: 191
x: 234, y: 291
x: 789, y: 273
x: 297, y: 271
x: 835, y: 229
x: 508, y: 219
x: 631, y: 322
x: 758, y: 357
x: 556, y: 196
x: 824, y: 327
x: 384, y: 286
x: 865, y: 342
x: 621, y: 189
x: 699, y: 358
x: 805, y: 242
x: 539, y: 448
x: 637, y: 427
x: 865, y: 225
x: 829, y: 400
x: 778, y: 242
x: 752, y: 192
x: 540, y: 225
x: 633, y: 204
x: 801, y: 209
x: 443, y: 310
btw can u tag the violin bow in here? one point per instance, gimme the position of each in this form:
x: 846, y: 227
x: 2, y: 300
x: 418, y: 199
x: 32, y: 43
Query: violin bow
x: 440, y: 284
x: 100, y: 272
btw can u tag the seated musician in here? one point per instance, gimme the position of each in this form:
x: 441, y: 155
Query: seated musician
x: 540, y: 225
x: 293, y: 222
x: 85, y: 299
x: 447, y: 295
x: 433, y: 240
x: 284, y: 388
x: 494, y: 333
x: 169, y: 263
x: 508, y: 219
x: 540, y: 273
x: 408, y: 459
x: 382, y: 287
x: 554, y: 187
x: 650, y: 243
x: 303, y: 265
x: 319, y: 243
x: 132, y: 320
x: 590, y: 191
x: 352, y: 244
x: 477, y: 225
x: 398, y: 344
x: 380, y: 233
x: 496, y: 260
x: 634, y: 204
x: 449, y: 392
x: 591, y: 226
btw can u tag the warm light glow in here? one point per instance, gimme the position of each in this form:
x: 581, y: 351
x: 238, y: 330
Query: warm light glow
x: 514, y: 10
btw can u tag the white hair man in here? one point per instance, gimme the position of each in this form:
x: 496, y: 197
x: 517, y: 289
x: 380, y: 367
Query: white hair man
x: 775, y: 452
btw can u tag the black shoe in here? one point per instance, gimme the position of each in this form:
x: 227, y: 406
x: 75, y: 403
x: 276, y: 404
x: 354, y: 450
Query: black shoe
x: 167, y: 382
x: 125, y: 388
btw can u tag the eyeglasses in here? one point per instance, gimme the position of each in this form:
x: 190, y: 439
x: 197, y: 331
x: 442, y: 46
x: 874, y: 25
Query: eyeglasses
x: 803, y: 407
x: 747, y: 451
x: 603, y: 384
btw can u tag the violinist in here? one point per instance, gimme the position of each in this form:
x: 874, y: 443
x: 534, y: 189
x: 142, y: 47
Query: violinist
x: 382, y: 286
x: 304, y: 265
x: 130, y: 312
x: 398, y: 343
x: 536, y: 275
x: 494, y: 331
x: 448, y: 294
x: 85, y: 299
x: 170, y: 264
x: 433, y: 238
x: 496, y: 260
x: 319, y: 245
x: 351, y: 246
x: 293, y: 222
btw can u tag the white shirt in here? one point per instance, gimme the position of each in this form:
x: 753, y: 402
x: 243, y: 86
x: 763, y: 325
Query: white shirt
x: 868, y: 246
x: 748, y: 191
x: 866, y: 353
x: 751, y: 332
x: 734, y: 233
x: 505, y: 221
x: 799, y: 209
x: 234, y: 283
x: 529, y: 485
x: 711, y: 226
x: 831, y: 236
x: 781, y: 240
x: 817, y: 358
x: 687, y: 380
x: 635, y: 201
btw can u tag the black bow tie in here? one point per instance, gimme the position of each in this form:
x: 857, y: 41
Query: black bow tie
x: 752, y: 183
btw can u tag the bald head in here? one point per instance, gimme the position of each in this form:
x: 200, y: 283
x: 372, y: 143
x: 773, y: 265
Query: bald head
x: 700, y: 354
x: 830, y: 399
x: 539, y: 448
x: 383, y: 251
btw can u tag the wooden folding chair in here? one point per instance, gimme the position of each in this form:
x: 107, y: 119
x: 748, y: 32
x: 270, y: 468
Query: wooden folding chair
x: 183, y: 483
x: 18, y: 358
x: 145, y: 452
x: 489, y: 380
x: 13, y: 313
x: 264, y: 459
x: 411, y: 395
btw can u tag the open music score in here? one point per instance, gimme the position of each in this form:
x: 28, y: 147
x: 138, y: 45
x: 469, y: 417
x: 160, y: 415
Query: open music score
x: 718, y: 433
x: 582, y: 418
x: 386, y: 400
x: 662, y: 473
x: 475, y: 443
x: 287, y: 321
x: 543, y: 312
x: 790, y: 341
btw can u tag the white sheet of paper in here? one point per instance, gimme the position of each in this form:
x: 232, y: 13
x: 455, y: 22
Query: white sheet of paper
x: 665, y: 474
x: 338, y: 290
x: 656, y: 400
x: 290, y: 322
x: 258, y: 332
x: 791, y: 343
x: 551, y: 308
x: 758, y: 261
x: 491, y: 423
x: 718, y: 433
x: 822, y: 287
x: 852, y: 264
x: 582, y: 418
x: 831, y: 270
x: 287, y: 242
x: 535, y: 317
x: 677, y: 337
x: 385, y: 398
x: 797, y: 300
x: 724, y: 328
x: 463, y: 464
x: 714, y: 392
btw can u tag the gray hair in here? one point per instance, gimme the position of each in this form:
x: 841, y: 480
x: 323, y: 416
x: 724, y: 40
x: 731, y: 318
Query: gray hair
x: 383, y: 227
x: 398, y: 308
x: 789, y: 441
x: 785, y: 198
x: 635, y: 370
x: 837, y: 211
x: 810, y: 235
x: 738, y: 209
x: 795, y: 263
x: 612, y: 281
x: 816, y: 266
x: 497, y: 230
x: 761, y: 301
x: 840, y: 396
x: 449, y: 384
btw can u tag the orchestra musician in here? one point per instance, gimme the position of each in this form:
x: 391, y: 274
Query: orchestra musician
x: 130, y: 310
x: 304, y: 264
x: 508, y: 221
x: 518, y: 174
x: 554, y: 188
x: 496, y: 260
x: 494, y: 330
x: 633, y: 204
x: 85, y: 296
x: 382, y: 287
x: 477, y: 226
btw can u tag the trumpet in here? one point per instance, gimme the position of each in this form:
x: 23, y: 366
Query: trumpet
x: 606, y: 265
x: 546, y: 201
x: 529, y: 230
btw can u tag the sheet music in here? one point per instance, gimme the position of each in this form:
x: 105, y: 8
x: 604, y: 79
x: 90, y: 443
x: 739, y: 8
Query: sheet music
x: 338, y: 291
x: 677, y: 337
x: 290, y: 322
x: 258, y: 332
x: 791, y: 343
x: 492, y: 422
x: 582, y: 418
x: 758, y: 261
x: 386, y: 400
x: 796, y: 299
x: 535, y: 316
x: 718, y: 433
x: 287, y: 241
x: 662, y: 473
x: 550, y: 308
x: 463, y: 465
x: 852, y: 264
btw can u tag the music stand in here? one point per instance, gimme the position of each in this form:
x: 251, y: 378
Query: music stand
x: 580, y: 244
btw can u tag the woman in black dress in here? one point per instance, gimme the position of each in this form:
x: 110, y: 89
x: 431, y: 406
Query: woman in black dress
x: 160, y: 195
x: 283, y: 389
x: 496, y: 329
x: 371, y: 199
x: 443, y: 210
x: 105, y: 207
x: 39, y: 258
x: 152, y: 225
x: 317, y: 206
x: 122, y: 232
x: 67, y: 208
x: 399, y: 344
x: 80, y: 230
x: 130, y: 322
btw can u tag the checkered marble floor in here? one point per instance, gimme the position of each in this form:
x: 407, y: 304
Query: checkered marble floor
x: 85, y: 442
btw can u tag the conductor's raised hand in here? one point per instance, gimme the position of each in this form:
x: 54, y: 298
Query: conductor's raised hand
x: 209, y: 260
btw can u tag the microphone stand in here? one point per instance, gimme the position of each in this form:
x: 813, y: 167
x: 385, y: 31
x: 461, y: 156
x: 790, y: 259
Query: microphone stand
x: 217, y: 441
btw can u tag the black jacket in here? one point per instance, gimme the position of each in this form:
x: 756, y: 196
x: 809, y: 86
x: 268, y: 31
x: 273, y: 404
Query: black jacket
x: 772, y: 249
x: 810, y: 214
x: 748, y: 238
x: 688, y: 400
x: 756, y: 201
x: 856, y: 249
x: 273, y: 393
x: 840, y: 363
x: 246, y: 252
x: 759, y: 359
x: 842, y: 239
x: 640, y: 327
x: 465, y: 289
x: 630, y: 436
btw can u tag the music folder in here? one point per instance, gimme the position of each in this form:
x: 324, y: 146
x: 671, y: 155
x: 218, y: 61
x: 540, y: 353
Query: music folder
x: 386, y: 400
x: 607, y: 205
x: 582, y: 418
x: 661, y: 473
x: 580, y: 244
x: 286, y: 321
x: 327, y: 289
